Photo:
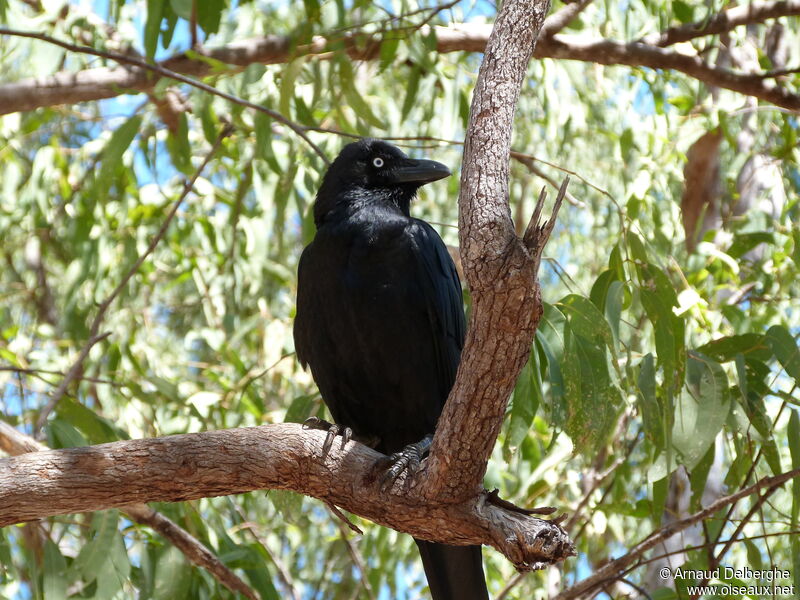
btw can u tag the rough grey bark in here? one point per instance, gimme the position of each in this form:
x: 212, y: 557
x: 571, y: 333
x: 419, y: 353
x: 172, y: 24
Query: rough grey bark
x: 500, y: 270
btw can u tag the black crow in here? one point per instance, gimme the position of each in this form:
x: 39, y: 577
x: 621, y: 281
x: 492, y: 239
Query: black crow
x: 380, y: 321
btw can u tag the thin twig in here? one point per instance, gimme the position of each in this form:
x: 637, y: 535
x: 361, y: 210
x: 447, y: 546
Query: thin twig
x: 94, y: 335
x: 75, y: 370
x: 753, y: 510
x: 596, y: 484
x: 513, y: 582
x: 39, y: 372
x: 165, y: 72
x: 638, y: 588
x: 193, y: 25
x: 779, y: 73
x: 252, y: 375
x: 535, y: 170
x: 191, y: 547
x: 343, y: 517
x: 435, y: 11
x: 712, y: 544
x: 283, y: 572
x: 612, y: 569
x: 355, y: 554
x: 563, y: 17
x: 751, y: 471
x: 515, y: 154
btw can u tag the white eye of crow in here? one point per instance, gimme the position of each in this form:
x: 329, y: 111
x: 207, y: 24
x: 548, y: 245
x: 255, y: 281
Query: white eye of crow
x: 377, y: 162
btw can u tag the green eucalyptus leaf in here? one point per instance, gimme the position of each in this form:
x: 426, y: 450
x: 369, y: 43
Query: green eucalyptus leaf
x: 785, y: 348
x: 701, y: 410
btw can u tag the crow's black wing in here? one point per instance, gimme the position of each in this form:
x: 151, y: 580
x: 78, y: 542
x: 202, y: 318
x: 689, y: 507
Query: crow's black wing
x: 442, y: 297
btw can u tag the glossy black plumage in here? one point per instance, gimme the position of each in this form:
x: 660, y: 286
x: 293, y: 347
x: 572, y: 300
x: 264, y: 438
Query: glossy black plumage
x: 380, y: 320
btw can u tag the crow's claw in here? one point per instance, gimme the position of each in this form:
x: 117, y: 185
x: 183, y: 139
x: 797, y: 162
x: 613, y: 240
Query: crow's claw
x: 331, y: 429
x: 332, y: 432
x: 347, y: 435
x: 408, y: 459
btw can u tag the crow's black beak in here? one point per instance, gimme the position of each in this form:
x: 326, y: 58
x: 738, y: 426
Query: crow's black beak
x: 419, y: 171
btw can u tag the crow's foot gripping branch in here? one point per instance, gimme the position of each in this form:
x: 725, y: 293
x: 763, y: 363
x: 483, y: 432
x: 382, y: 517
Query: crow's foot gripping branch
x: 332, y: 430
x: 407, y: 460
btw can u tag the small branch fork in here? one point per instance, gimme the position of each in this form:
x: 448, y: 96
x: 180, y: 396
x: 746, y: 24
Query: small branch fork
x: 536, y: 234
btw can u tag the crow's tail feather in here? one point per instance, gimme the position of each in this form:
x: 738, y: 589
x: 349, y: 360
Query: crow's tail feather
x: 453, y: 572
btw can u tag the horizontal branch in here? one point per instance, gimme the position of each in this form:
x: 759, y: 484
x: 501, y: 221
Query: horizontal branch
x: 748, y: 13
x: 108, y: 82
x: 15, y: 443
x: 634, y: 54
x: 282, y: 456
x: 563, y: 17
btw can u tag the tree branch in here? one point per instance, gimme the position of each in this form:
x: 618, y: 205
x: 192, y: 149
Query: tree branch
x: 558, y: 20
x: 615, y: 568
x: 499, y: 269
x: 105, y: 82
x: 717, y: 559
x: 147, y: 68
x: 282, y: 456
x: 41, y: 374
x: 194, y: 551
x: 727, y: 20
x: 355, y: 553
x: 15, y: 443
x: 530, y: 163
x: 634, y: 54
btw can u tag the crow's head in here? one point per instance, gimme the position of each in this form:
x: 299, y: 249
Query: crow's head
x: 372, y: 171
